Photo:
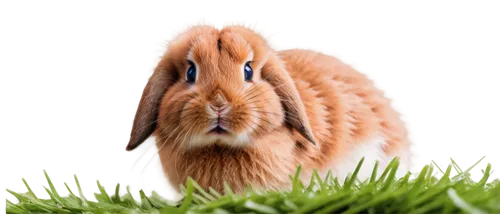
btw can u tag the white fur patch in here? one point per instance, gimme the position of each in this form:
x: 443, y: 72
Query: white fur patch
x: 229, y: 140
x: 242, y: 140
x: 372, y: 151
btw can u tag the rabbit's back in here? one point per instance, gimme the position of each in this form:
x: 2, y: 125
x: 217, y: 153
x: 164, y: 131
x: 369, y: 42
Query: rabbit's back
x: 350, y: 117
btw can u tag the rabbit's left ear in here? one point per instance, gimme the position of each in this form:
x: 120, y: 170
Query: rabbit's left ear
x: 275, y: 73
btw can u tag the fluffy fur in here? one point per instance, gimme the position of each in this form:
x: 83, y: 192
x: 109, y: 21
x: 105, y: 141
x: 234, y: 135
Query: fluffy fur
x: 301, y: 107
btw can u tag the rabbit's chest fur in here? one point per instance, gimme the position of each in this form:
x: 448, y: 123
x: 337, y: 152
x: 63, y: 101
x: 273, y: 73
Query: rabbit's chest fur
x: 349, y: 116
x: 265, y: 164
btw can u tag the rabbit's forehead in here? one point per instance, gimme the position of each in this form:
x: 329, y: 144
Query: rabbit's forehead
x: 234, y: 47
x: 224, y: 49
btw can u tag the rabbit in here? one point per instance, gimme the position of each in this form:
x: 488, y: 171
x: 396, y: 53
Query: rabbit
x: 225, y: 107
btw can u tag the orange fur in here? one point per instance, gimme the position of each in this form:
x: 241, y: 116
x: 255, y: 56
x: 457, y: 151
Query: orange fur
x: 297, y: 99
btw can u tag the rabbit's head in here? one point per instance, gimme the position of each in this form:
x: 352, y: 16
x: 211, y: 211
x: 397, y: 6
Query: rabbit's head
x: 222, y: 87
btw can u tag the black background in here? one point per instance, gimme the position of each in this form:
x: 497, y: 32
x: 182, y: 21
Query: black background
x: 69, y: 77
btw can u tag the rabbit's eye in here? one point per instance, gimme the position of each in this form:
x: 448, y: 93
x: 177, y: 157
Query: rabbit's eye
x: 191, y: 73
x: 248, y: 72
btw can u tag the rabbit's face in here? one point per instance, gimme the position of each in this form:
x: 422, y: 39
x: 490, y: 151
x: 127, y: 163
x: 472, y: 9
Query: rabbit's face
x: 219, y: 96
x: 218, y: 87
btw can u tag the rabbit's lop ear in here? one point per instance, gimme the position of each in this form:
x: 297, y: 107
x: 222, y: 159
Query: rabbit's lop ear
x: 164, y: 76
x: 274, y: 72
x: 147, y: 112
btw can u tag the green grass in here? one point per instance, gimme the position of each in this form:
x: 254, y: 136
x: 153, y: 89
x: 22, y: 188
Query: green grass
x: 423, y: 192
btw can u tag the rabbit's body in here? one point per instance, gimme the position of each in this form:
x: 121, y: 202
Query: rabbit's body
x: 348, y: 114
x: 215, y: 120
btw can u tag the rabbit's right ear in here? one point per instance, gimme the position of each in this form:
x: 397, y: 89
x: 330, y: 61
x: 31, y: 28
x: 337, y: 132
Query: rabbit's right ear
x: 164, y: 76
x: 275, y: 73
x: 147, y: 113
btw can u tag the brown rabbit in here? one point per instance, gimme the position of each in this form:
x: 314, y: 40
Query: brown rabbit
x: 224, y: 106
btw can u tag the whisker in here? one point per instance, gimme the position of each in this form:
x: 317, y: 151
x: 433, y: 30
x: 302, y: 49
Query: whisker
x: 188, y: 133
x: 177, y: 101
x: 257, y: 100
x: 264, y: 91
x: 252, y: 89
x: 157, y: 152
x: 239, y: 91
x: 188, y: 115
x: 269, y: 122
x: 258, y: 125
x: 258, y: 83
x: 266, y: 112
x: 179, y: 149
x: 196, y: 94
x: 260, y: 135
x: 142, y: 154
x: 286, y: 115
x: 165, y: 116
x: 274, y: 113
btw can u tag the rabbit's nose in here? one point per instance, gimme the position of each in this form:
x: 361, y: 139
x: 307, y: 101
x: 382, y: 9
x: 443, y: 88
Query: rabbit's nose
x: 219, y: 100
x: 218, y: 109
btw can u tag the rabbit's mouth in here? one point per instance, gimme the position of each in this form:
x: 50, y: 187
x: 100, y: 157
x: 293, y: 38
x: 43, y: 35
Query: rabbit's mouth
x: 218, y: 130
